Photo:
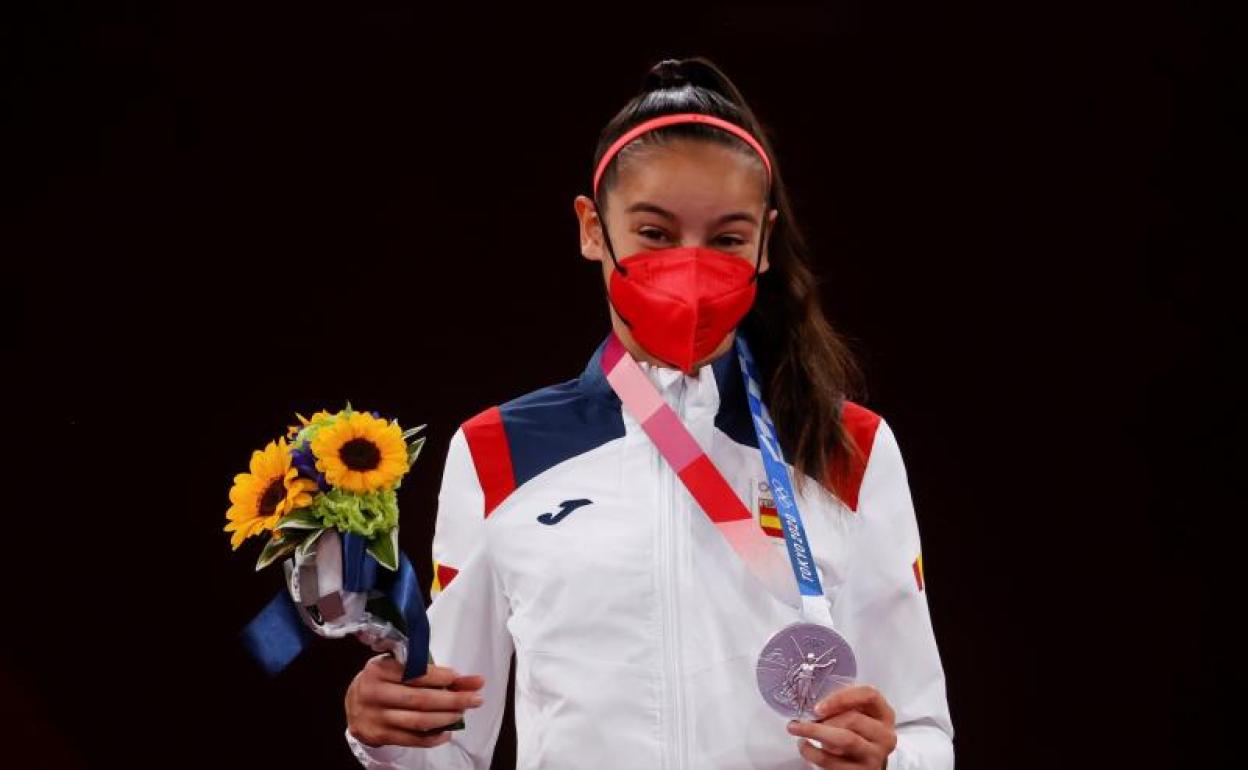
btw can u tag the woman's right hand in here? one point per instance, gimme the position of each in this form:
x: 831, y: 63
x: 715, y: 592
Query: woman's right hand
x: 383, y: 710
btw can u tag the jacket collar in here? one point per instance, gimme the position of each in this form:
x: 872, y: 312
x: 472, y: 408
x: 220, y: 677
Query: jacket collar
x: 733, y: 414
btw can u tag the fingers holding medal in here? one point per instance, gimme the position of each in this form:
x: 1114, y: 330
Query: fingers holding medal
x: 855, y: 727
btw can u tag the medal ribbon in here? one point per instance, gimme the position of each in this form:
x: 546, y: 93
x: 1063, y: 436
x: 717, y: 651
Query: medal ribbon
x: 801, y: 556
x: 708, y: 486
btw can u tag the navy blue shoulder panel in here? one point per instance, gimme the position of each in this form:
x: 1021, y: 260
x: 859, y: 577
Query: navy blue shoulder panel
x: 559, y: 422
x: 733, y: 417
x: 556, y: 423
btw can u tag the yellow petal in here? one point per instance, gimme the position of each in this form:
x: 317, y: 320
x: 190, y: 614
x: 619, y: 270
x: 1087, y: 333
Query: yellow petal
x: 302, y: 486
x: 256, y: 466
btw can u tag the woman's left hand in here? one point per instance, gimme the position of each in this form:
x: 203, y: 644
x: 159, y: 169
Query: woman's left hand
x: 856, y: 727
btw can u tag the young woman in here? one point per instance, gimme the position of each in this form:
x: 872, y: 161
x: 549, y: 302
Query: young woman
x: 617, y: 531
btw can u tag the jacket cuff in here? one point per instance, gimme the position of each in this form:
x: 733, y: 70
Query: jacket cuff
x: 375, y: 757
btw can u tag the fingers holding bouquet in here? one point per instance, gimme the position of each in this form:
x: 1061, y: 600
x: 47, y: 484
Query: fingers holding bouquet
x: 383, y: 708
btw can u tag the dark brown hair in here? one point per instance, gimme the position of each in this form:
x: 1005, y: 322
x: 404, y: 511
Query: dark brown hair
x: 807, y: 368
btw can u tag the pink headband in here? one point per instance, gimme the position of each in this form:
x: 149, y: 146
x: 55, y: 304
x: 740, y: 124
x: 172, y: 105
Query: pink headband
x: 667, y: 120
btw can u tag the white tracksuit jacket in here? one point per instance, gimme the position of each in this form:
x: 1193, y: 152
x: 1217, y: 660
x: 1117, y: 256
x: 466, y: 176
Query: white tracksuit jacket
x: 635, y: 625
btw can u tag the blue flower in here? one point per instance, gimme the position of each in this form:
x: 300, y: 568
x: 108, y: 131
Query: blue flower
x: 303, y: 459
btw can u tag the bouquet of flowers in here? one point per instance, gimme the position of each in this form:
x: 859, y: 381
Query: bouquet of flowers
x: 338, y: 471
x: 325, y: 494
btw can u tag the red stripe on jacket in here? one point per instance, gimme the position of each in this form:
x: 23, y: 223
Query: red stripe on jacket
x: 487, y: 441
x: 860, y: 423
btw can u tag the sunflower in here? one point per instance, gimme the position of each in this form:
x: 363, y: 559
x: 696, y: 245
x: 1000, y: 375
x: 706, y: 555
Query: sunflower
x: 360, y: 453
x: 317, y: 419
x: 271, y: 490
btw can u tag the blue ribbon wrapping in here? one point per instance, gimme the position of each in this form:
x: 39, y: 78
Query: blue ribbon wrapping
x: 358, y: 572
x: 277, y: 635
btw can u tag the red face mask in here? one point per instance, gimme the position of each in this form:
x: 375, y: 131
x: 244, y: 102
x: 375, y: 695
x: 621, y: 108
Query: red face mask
x: 680, y: 303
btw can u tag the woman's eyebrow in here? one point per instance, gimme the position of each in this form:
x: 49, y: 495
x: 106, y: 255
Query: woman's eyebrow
x: 651, y: 208
x: 646, y: 206
x: 743, y: 216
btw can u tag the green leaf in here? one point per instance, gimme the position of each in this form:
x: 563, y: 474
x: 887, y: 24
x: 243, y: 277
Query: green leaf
x: 413, y: 450
x: 309, y: 542
x: 407, y: 434
x: 300, y: 519
x: 385, y: 549
x: 276, y: 549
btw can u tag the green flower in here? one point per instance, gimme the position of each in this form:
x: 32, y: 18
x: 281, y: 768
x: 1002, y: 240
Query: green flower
x: 368, y: 514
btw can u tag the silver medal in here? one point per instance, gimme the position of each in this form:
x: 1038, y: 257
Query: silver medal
x: 801, y: 664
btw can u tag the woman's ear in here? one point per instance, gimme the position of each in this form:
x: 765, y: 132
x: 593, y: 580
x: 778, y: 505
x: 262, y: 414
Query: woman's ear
x: 771, y: 226
x: 591, y: 228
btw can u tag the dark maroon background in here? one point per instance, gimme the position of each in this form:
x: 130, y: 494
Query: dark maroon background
x: 216, y: 214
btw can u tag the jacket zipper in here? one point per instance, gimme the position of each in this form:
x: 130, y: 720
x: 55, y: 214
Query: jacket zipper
x: 671, y: 620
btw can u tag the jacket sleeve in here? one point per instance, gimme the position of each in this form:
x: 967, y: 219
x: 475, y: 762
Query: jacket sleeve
x: 887, y: 613
x: 467, y: 624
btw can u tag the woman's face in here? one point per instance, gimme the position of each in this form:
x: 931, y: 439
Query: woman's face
x: 685, y: 193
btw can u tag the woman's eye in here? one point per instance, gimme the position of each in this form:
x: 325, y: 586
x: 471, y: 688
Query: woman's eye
x: 731, y: 240
x: 651, y: 232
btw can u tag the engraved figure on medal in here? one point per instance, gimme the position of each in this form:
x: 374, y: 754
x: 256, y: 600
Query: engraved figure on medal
x: 802, y: 664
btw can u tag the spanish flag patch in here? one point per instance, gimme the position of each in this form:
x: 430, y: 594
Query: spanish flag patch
x: 917, y: 566
x: 768, y: 516
x: 443, y: 574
